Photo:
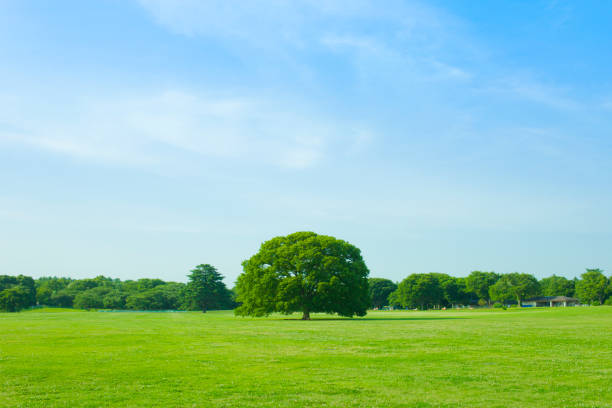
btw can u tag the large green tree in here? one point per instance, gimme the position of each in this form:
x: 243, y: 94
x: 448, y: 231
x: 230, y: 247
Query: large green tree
x: 380, y: 289
x: 515, y: 285
x: 206, y: 290
x: 479, y: 282
x: 592, y: 286
x: 304, y: 272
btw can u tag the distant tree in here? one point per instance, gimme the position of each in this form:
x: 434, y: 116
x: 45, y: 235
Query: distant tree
x: 62, y: 298
x: 304, y: 272
x: 206, y: 290
x: 380, y: 289
x: 454, y: 289
x: 43, y: 295
x: 52, y: 282
x: 92, y: 298
x: 501, y: 291
x: 517, y: 285
x: 114, y: 300
x: 592, y: 286
x: 233, y: 298
x: 557, y: 286
x: 459, y: 295
x: 169, y: 296
x: 394, y: 299
x: 151, y: 299
x: 420, y: 290
x: 81, y: 285
x: 7, y: 281
x: 479, y: 282
x: 17, y: 293
x: 146, y: 284
x: 14, y: 299
x: 29, y: 286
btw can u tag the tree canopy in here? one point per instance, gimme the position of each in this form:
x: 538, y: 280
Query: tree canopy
x: 557, y: 286
x: 592, y: 286
x: 515, y: 285
x: 16, y: 293
x: 380, y: 289
x: 420, y: 290
x: 304, y: 272
x: 479, y: 282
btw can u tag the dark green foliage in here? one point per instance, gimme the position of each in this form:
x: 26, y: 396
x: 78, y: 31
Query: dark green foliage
x: 304, y: 272
x: 89, y: 299
x: 62, y: 298
x: 479, y: 282
x: 169, y: 296
x: 114, y: 300
x: 206, y: 290
x: 16, y: 293
x: 592, y: 286
x: 515, y: 285
x: 557, y: 286
x: 422, y: 291
x: 14, y: 299
x: 454, y: 290
x: 379, y: 290
x: 43, y: 295
x: 430, y: 290
x: 145, y: 284
x: 54, y: 283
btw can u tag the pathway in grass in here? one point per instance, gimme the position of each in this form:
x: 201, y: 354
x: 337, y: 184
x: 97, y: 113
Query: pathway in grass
x: 523, y: 358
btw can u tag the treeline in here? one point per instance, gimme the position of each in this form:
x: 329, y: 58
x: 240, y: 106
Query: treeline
x: 204, y: 291
x: 437, y: 290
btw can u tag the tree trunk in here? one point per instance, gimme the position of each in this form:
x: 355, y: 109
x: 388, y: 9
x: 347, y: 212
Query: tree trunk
x: 306, y: 315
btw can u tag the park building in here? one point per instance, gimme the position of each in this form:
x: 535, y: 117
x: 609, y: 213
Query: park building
x: 550, y: 301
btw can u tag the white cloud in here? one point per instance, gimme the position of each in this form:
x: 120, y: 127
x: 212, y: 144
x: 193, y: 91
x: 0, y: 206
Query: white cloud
x: 148, y: 129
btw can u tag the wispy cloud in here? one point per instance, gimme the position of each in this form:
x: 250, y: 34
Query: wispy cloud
x: 146, y: 129
x: 525, y: 87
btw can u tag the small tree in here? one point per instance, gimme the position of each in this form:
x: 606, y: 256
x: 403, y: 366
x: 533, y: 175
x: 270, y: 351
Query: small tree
x: 304, y: 272
x: 206, y: 289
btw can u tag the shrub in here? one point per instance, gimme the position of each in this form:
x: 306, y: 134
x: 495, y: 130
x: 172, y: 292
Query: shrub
x: 498, y: 305
x: 608, y: 302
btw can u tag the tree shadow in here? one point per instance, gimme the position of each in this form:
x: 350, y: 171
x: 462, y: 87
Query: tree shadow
x: 366, y: 319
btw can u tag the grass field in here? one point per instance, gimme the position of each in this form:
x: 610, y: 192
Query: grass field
x: 493, y: 358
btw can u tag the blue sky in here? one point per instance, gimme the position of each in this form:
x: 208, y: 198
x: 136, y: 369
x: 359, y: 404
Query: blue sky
x: 138, y: 139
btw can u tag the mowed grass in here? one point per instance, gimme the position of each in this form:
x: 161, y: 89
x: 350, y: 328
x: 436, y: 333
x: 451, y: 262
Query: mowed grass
x: 514, y: 358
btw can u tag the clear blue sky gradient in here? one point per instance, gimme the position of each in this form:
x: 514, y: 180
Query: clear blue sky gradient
x: 138, y: 139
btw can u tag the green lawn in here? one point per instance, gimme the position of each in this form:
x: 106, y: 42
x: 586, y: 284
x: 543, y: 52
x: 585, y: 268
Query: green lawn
x: 493, y: 358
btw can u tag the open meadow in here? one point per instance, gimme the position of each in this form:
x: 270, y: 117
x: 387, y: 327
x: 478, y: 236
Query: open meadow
x: 559, y: 357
